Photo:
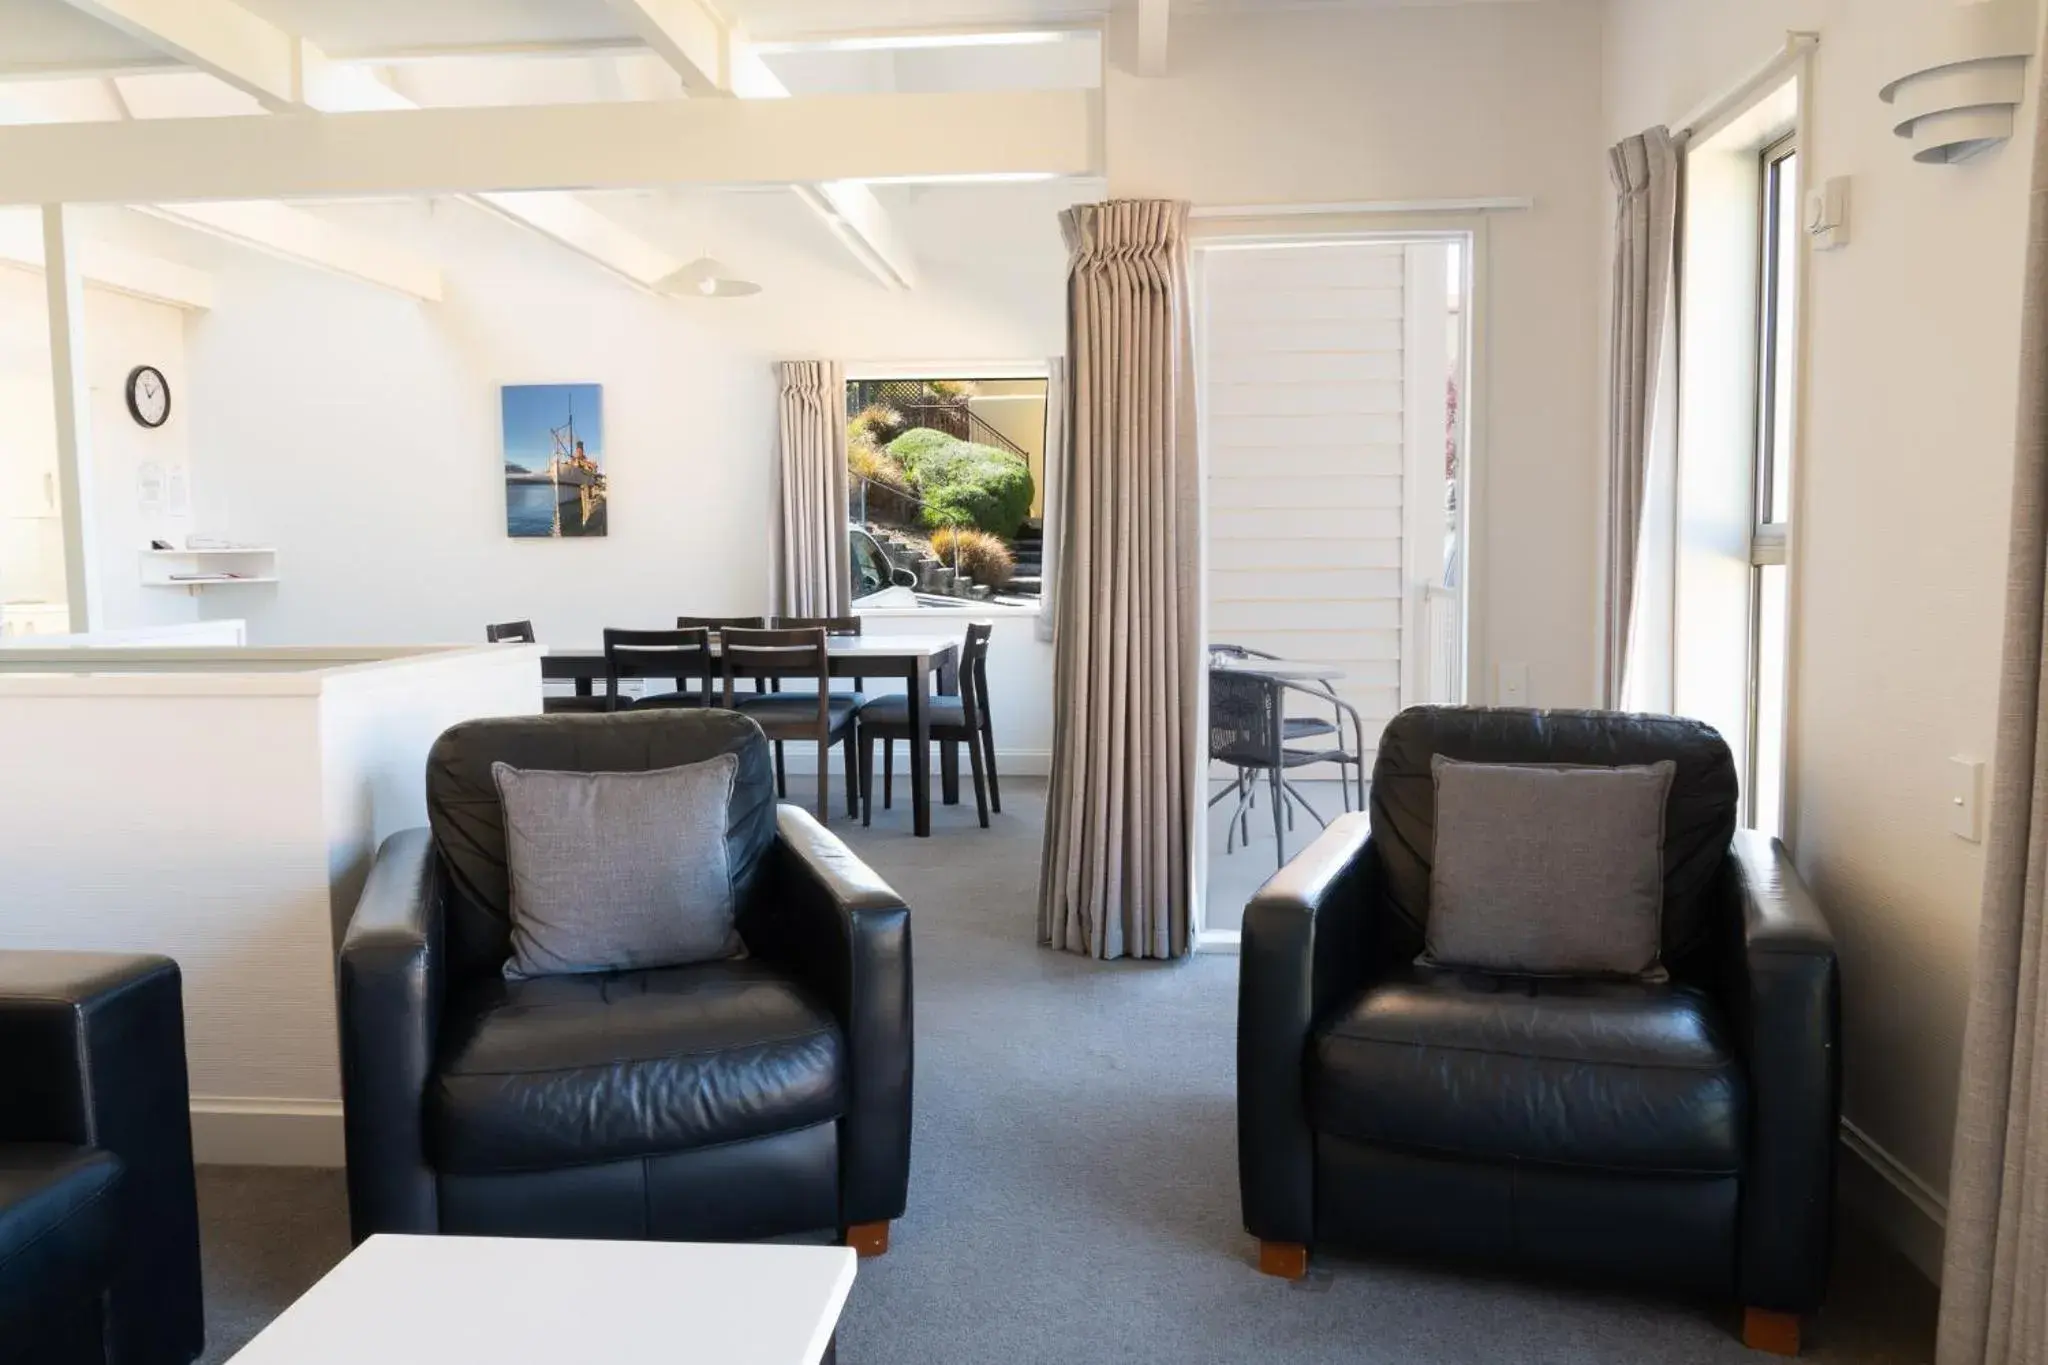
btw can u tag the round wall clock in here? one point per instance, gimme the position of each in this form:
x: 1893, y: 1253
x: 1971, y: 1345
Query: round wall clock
x: 149, y: 396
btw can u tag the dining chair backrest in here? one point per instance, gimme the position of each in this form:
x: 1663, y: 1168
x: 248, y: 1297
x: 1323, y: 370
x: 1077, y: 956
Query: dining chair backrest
x: 509, y: 632
x: 974, y: 672
x: 838, y: 626
x: 777, y: 654
x: 684, y: 655
x: 1238, y: 652
x: 1244, y: 718
x: 831, y: 625
x: 718, y: 624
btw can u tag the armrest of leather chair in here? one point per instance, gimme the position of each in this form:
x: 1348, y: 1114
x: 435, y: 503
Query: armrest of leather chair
x: 1303, y: 951
x: 1789, y: 1008
x: 92, y: 1053
x: 390, y: 984
x: 823, y: 914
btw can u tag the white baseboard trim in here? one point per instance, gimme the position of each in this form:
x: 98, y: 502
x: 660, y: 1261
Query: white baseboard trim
x: 801, y: 757
x: 234, y: 1130
x: 1907, y: 1211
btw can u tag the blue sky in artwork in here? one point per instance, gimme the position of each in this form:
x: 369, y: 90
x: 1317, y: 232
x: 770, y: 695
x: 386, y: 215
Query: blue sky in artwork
x: 532, y: 410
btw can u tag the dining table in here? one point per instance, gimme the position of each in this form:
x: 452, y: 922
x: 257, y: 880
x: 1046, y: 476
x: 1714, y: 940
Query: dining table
x: 918, y: 661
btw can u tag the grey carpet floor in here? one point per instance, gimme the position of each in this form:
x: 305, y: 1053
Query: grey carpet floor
x: 1073, y: 1190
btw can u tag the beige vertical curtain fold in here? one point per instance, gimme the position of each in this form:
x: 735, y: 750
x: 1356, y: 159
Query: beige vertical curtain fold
x: 1994, y: 1289
x: 1115, y: 876
x: 814, y: 575
x: 1645, y: 171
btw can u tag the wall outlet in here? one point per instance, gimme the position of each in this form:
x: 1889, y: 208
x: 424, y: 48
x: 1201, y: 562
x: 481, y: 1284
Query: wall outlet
x: 1513, y: 686
x: 1965, y: 799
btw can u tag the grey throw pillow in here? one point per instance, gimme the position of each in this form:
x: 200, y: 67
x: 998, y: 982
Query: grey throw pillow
x: 1546, y: 871
x: 616, y: 871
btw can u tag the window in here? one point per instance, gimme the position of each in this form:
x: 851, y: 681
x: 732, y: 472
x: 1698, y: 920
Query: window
x: 1777, y: 332
x: 945, y: 491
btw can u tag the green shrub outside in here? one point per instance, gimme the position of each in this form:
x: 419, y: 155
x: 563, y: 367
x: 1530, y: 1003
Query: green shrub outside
x: 964, y: 484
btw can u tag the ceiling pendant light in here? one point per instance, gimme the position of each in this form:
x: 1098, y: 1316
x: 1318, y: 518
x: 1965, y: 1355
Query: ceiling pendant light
x: 708, y: 279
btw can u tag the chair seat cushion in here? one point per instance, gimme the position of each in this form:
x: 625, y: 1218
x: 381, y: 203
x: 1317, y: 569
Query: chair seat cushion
x: 59, y: 1220
x: 1607, y: 1075
x: 894, y: 711
x: 796, y: 708
x: 575, y: 1070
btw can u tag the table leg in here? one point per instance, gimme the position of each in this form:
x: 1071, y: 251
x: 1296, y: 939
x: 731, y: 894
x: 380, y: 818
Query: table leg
x: 920, y: 681
x: 582, y: 687
x: 949, y: 753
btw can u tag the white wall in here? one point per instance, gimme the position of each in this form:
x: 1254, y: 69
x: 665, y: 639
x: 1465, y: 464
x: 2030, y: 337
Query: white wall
x: 1902, y: 496
x: 1427, y: 103
x: 120, y: 333
x: 358, y: 431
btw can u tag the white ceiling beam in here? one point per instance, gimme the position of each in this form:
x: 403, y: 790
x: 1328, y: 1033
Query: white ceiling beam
x: 1152, y: 17
x: 567, y: 221
x: 218, y: 37
x: 559, y: 216
x: 690, y: 36
x: 109, y: 267
x: 559, y: 146
x: 853, y: 215
x: 296, y: 235
x: 713, y: 58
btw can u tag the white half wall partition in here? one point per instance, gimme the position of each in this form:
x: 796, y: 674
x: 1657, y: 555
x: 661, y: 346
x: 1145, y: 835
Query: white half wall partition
x: 221, y: 807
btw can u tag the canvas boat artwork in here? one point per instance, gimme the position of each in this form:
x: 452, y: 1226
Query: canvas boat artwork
x: 555, y: 482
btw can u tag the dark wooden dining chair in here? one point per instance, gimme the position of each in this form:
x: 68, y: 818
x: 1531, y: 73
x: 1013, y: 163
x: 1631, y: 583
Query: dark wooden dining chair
x: 682, y: 655
x: 823, y: 716
x: 953, y: 720
x: 835, y: 627
x: 521, y: 633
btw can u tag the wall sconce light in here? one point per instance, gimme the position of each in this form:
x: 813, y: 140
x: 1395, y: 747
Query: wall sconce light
x: 1964, y: 77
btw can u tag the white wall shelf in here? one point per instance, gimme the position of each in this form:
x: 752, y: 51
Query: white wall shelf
x: 196, y: 569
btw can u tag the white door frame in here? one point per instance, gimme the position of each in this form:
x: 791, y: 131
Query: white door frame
x: 1276, y: 226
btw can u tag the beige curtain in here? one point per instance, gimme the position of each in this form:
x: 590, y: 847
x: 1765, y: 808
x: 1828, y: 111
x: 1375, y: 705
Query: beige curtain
x: 1119, y: 821
x: 1994, y: 1291
x: 814, y: 576
x: 1641, y: 349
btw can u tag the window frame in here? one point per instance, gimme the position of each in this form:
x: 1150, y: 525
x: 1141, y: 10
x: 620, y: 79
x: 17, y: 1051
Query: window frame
x: 1770, y: 524
x: 981, y: 371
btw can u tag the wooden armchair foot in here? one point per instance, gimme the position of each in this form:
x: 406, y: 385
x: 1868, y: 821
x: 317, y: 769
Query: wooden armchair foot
x: 1288, y: 1260
x: 1776, y: 1333
x: 868, y: 1239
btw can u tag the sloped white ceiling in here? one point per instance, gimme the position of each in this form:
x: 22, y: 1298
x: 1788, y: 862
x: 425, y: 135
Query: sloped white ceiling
x: 344, y: 26
x: 50, y: 33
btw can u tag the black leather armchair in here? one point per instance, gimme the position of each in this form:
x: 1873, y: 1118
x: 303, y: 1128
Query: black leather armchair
x: 1680, y: 1134
x: 99, y: 1218
x: 730, y: 1100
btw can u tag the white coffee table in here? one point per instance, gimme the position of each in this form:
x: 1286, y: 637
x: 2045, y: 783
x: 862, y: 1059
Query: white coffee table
x: 534, y: 1301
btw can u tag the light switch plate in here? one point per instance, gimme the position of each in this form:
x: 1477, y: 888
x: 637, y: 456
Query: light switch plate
x: 1513, y: 689
x: 1966, y: 782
